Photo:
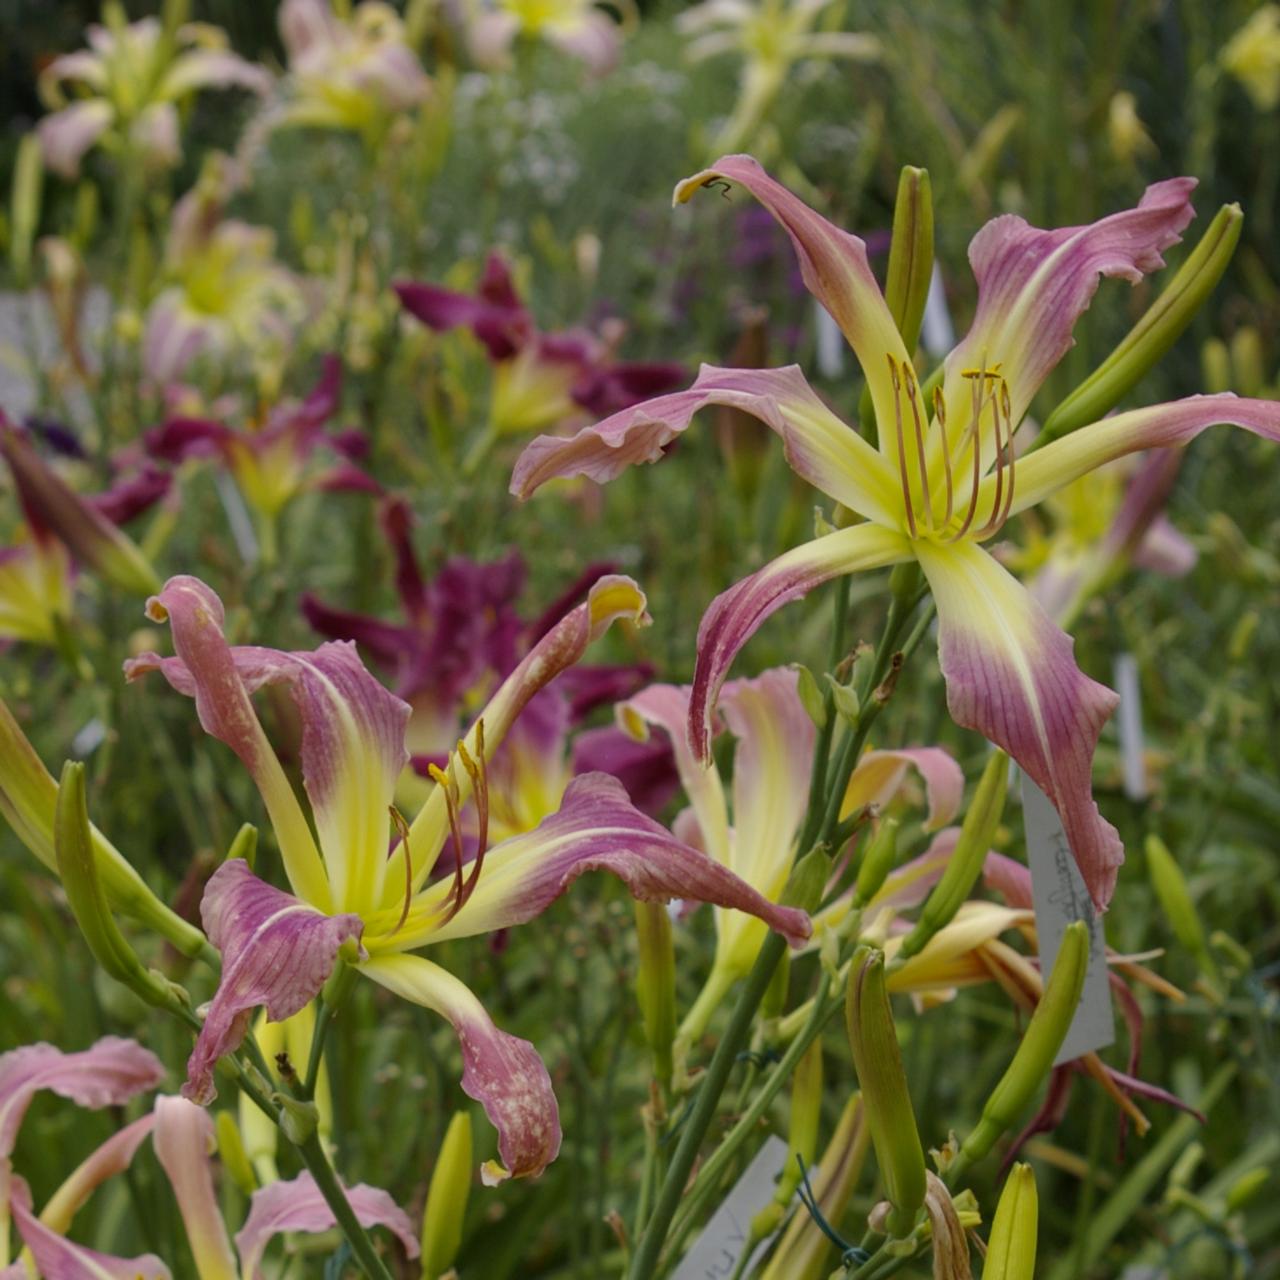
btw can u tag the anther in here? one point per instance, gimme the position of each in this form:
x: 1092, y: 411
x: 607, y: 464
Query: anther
x: 902, y: 446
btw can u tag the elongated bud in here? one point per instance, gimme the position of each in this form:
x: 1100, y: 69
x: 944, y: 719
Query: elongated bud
x: 807, y: 881
x: 804, y: 1251
x: 810, y: 695
x: 802, y: 1139
x: 656, y: 984
x: 24, y: 209
x: 845, y: 700
x: 235, y: 1160
x: 1247, y: 361
x: 1040, y: 1044
x: 245, y: 844
x: 1215, y: 366
x: 1011, y: 1250
x: 1155, y: 333
x: 446, y: 1208
x: 879, y: 858
x: 910, y: 267
x: 1175, y: 900
x: 77, y: 865
x: 883, y: 1082
x: 965, y: 864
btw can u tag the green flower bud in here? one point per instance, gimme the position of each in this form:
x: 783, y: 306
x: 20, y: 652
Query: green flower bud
x: 905, y: 581
x: 298, y: 1119
x: 24, y: 217
x: 810, y: 695
x: 1175, y: 900
x: 883, y: 1082
x: 231, y: 1152
x: 1011, y: 1250
x: 879, y: 858
x: 1246, y: 1187
x: 1155, y: 333
x: 802, y: 1138
x: 1247, y: 361
x: 245, y: 844
x: 1040, y: 1044
x: 965, y: 865
x: 808, y: 880
x: 845, y: 700
x: 77, y: 866
x: 1215, y: 366
x: 446, y: 1207
x: 656, y: 984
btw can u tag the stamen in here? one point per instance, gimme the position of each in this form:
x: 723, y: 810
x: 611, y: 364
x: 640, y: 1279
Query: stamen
x: 402, y: 828
x: 1006, y: 405
x: 479, y: 776
x: 909, y: 379
x: 449, y: 908
x: 902, y: 447
x: 998, y: 502
x: 978, y: 380
x: 940, y: 417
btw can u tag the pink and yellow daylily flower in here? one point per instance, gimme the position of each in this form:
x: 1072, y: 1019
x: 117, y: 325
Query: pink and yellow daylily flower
x: 768, y: 798
x: 944, y: 479
x: 579, y: 28
x: 279, y: 948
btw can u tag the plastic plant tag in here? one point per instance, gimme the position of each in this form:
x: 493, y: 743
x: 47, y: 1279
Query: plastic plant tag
x: 238, y: 518
x: 1060, y: 897
x: 829, y: 343
x: 1129, y: 723
x: 717, y: 1250
x: 937, y: 332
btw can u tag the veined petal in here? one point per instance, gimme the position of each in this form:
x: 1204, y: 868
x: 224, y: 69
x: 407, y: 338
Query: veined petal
x: 735, y: 615
x: 1009, y: 878
x: 666, y: 706
x: 820, y: 448
x: 501, y: 1072
x: 299, y: 1206
x: 276, y: 951
x: 880, y: 774
x: 597, y: 828
x: 184, y: 1142
x: 834, y: 267
x: 1046, y: 470
x: 1010, y: 674
x: 57, y: 1258
x: 205, y: 669
x: 107, y: 1074
x: 646, y: 770
x: 1033, y: 285
x: 67, y: 134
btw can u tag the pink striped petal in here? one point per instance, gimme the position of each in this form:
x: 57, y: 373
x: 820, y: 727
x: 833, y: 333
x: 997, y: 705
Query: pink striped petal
x: 66, y: 135
x: 1010, y: 675
x: 276, y: 951
x: 1033, y: 285
x: 735, y: 615
x: 834, y: 267
x: 107, y: 1074
x: 880, y: 775
x: 1009, y: 878
x: 298, y: 1205
x: 819, y: 446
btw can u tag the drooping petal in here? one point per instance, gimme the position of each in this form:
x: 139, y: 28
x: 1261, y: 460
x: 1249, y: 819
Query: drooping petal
x: 501, y: 1072
x: 825, y: 451
x: 1010, y: 675
x: 128, y: 499
x: 596, y: 829
x: 1033, y: 285
x: 609, y: 388
x: 880, y: 774
x: 276, y: 951
x: 212, y: 69
x: 57, y: 1258
x: 107, y: 1074
x: 494, y: 314
x: 1046, y: 470
x: 66, y: 135
x: 1009, y: 878
x: 834, y: 266
x: 735, y: 615
x: 184, y: 1141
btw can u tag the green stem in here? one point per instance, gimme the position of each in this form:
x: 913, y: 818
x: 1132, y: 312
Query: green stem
x: 822, y: 748
x: 321, y: 1170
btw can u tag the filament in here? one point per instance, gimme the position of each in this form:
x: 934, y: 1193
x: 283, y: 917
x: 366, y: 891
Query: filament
x: 402, y: 828
x: 977, y: 382
x: 902, y: 447
x: 909, y: 380
x: 940, y: 416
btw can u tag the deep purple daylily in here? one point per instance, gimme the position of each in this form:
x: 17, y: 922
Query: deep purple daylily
x: 944, y: 478
x: 348, y: 894
x: 540, y: 381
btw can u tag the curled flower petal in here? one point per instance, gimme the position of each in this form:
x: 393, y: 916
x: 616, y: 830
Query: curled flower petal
x: 502, y: 1073
x: 880, y: 774
x: 66, y: 135
x: 276, y: 951
x: 1009, y: 878
x: 108, y: 1073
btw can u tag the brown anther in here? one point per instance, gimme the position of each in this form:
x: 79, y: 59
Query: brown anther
x: 902, y: 445
x: 940, y: 417
x: 912, y: 389
x: 402, y: 830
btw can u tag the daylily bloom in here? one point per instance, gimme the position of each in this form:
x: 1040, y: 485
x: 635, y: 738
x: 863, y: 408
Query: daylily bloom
x: 133, y: 78
x: 576, y: 27
x: 223, y: 293
x: 771, y: 36
x: 348, y: 894
x: 354, y: 72
x: 1252, y: 56
x: 461, y: 637
x: 269, y: 459
x: 770, y: 791
x: 540, y: 381
x: 944, y: 478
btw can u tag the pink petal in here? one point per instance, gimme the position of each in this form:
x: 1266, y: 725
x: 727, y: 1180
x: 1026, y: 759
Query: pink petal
x: 592, y: 38
x: 299, y: 1206
x: 112, y: 1157
x: 1009, y: 878
x: 276, y: 951
x: 66, y: 135
x: 943, y: 780
x: 107, y: 1074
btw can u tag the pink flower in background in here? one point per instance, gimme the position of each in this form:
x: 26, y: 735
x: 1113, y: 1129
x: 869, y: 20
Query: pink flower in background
x: 577, y: 27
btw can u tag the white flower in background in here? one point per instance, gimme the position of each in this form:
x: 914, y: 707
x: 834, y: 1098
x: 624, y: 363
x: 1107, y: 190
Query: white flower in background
x: 577, y: 27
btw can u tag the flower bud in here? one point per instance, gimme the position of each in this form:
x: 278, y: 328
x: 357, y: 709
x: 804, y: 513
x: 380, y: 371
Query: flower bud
x: 845, y: 700
x: 1011, y: 1250
x: 808, y: 880
x: 298, y: 1119
x: 883, y: 1082
x: 1247, y: 361
x: 231, y: 1152
x: 1175, y: 900
x: 1215, y: 366
x: 24, y: 209
x: 245, y: 844
x: 77, y: 865
x: 1153, y: 335
x: 802, y: 1139
x: 1040, y: 1044
x: 810, y: 695
x: 905, y: 581
x: 446, y: 1207
x: 656, y: 984
x: 966, y: 862
x: 879, y: 858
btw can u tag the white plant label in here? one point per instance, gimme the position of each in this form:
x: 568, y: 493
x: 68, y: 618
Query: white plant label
x: 1060, y: 898
x: 1129, y: 724
x: 829, y: 343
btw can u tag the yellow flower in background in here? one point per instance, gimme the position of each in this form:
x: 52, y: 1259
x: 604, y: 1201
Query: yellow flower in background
x: 1252, y: 56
